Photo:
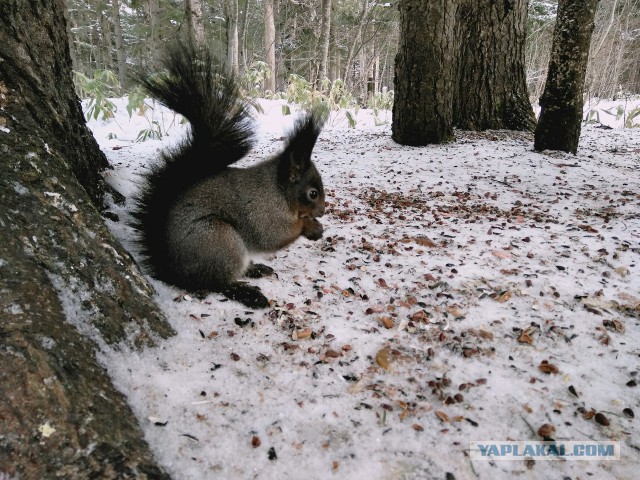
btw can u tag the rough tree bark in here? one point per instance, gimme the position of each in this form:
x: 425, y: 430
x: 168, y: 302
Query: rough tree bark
x: 562, y: 101
x: 490, y: 77
x: 422, y: 108
x: 69, y: 292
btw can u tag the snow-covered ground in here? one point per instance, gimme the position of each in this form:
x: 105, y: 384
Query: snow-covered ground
x: 474, y: 291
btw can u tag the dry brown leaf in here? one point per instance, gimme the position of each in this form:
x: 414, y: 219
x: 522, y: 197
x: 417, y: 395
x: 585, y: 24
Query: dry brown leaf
x: 425, y: 242
x: 503, y: 297
x: 547, y: 430
x: 382, y: 358
x: 455, y: 311
x: 442, y: 416
x: 301, y: 334
x: 420, y: 317
x: 548, y: 368
x: 485, y: 334
x: 501, y: 254
x: 525, y: 338
x: 387, y: 322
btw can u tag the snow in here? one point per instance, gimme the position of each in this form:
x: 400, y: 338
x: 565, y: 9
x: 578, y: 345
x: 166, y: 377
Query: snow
x: 485, y: 258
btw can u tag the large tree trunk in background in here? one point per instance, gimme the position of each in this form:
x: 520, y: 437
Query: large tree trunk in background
x: 562, y: 100
x: 68, y: 290
x: 423, y: 74
x: 121, y: 54
x: 270, y: 44
x: 491, y: 87
x: 193, y: 18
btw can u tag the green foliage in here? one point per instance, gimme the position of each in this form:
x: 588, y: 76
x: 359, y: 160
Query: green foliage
x: 253, y: 79
x: 633, y: 114
x: 136, y: 101
x: 98, y: 89
x: 154, y: 132
x: 331, y: 96
x: 618, y: 112
x: 380, y: 101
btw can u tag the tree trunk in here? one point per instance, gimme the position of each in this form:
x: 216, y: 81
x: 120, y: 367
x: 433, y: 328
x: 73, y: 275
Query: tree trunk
x: 69, y: 291
x: 357, y: 38
x: 491, y: 87
x: 269, y: 44
x: 231, y: 14
x: 105, y: 41
x: 242, y: 47
x: 121, y: 54
x: 325, y: 37
x: 562, y: 100
x: 193, y: 18
x: 154, y: 38
x: 423, y: 74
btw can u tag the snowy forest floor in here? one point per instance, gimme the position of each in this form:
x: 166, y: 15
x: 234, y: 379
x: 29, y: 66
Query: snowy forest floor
x: 474, y: 291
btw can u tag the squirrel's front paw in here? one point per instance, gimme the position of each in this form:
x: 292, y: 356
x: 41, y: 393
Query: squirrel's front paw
x: 312, y: 229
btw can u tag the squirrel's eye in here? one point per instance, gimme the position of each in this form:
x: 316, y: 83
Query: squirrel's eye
x: 313, y: 194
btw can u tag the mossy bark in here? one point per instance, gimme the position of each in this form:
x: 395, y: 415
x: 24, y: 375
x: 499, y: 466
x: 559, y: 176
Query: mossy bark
x: 68, y: 290
x: 562, y: 101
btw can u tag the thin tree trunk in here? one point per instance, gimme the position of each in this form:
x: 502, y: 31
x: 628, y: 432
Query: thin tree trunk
x: 231, y: 14
x: 562, y: 100
x: 423, y: 74
x: 269, y: 44
x: 357, y: 37
x: 325, y: 37
x: 154, y: 38
x: 242, y: 47
x: 119, y: 41
x: 491, y: 88
x: 105, y: 41
x: 68, y: 289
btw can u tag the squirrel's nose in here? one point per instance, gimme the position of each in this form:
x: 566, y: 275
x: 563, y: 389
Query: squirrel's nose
x: 321, y: 210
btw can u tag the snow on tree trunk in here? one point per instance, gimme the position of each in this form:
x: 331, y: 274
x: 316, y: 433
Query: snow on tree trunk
x: 562, y: 101
x: 422, y: 109
x: 68, y: 290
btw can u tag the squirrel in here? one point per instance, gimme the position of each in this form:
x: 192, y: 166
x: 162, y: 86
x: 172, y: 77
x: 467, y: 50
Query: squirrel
x: 198, y: 218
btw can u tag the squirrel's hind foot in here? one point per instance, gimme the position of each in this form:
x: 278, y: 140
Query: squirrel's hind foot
x: 249, y: 295
x: 259, y: 270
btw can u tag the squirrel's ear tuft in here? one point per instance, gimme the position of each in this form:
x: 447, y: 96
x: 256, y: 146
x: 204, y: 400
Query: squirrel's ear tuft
x: 296, y: 157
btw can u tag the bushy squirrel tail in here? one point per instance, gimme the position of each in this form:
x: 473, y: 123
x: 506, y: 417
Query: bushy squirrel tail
x: 194, y: 85
x: 221, y: 133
